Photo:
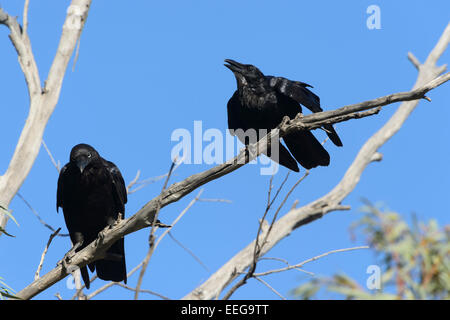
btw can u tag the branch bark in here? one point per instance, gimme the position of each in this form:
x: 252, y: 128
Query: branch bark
x: 294, y: 219
x: 144, y: 217
x: 42, y: 100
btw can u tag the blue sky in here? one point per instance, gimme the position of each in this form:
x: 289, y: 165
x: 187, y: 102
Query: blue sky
x: 148, y: 68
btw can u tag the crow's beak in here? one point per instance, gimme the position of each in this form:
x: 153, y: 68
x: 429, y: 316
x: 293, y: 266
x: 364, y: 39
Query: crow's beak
x: 81, y: 163
x: 234, y: 66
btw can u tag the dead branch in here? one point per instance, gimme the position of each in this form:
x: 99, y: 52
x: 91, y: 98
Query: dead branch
x: 152, y: 245
x: 42, y: 100
x: 301, y: 264
x: 145, y: 216
x: 428, y: 77
x: 41, y: 262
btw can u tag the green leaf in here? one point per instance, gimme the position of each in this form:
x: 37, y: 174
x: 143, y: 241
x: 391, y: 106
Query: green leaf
x: 5, y: 294
x: 6, y: 211
x: 5, y: 291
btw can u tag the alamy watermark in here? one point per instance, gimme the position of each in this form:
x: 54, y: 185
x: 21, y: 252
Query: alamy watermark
x: 373, y: 282
x: 213, y: 146
x: 374, y: 19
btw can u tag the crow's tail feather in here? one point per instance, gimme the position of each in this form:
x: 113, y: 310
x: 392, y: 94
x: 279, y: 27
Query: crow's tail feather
x: 284, y: 158
x: 85, y: 276
x: 332, y: 134
x: 113, y: 269
x: 306, y: 149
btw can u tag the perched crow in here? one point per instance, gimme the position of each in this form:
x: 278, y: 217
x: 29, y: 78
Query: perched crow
x: 92, y: 193
x: 261, y: 102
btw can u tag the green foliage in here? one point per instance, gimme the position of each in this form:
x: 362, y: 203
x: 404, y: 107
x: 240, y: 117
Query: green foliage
x: 6, y: 211
x: 414, y: 260
x: 5, y: 290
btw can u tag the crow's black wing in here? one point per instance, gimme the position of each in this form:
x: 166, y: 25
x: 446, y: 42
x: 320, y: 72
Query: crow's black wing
x: 118, y: 185
x: 234, y: 110
x: 299, y: 92
x: 72, y: 222
x: 115, y: 269
x: 237, y: 120
x: 60, y: 188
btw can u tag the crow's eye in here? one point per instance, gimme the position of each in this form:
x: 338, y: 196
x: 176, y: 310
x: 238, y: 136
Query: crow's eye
x: 89, y: 155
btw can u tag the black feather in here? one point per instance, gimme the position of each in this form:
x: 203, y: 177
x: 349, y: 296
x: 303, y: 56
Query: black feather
x: 91, y: 191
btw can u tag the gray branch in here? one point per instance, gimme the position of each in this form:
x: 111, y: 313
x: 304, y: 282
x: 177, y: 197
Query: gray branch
x: 144, y: 217
x: 42, y: 100
x: 295, y: 218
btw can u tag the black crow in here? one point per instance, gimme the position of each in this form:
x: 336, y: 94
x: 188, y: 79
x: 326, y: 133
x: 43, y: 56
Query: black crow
x: 261, y: 102
x: 92, y: 193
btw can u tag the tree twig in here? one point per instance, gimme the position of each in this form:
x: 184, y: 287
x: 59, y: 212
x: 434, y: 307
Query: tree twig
x: 25, y: 17
x: 428, y: 78
x: 42, y: 100
x: 55, y: 164
x: 154, y: 227
x: 41, y: 262
x: 298, y: 217
x: 270, y: 287
x: 142, y: 290
x: 39, y: 217
x: 258, y: 247
x: 200, y: 262
x: 301, y: 264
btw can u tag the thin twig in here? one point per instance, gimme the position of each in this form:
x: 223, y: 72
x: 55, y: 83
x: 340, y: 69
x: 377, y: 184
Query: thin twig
x: 200, y: 262
x: 215, y: 200
x: 283, y: 202
x: 416, y: 63
x: 141, y: 290
x: 25, y: 18
x: 108, y: 285
x: 258, y: 247
x: 39, y: 217
x: 287, y: 223
x: 42, y: 101
x: 154, y: 227
x: 270, y: 287
x: 77, y: 52
x: 279, y: 189
x: 57, y: 165
x: 301, y: 264
x: 41, y: 262
x: 133, y: 182
x: 154, y: 245
x: 143, y: 183
x: 287, y: 264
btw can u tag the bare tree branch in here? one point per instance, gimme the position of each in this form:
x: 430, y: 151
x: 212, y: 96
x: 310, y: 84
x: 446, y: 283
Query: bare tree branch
x: 270, y: 287
x: 45, y: 224
x: 134, y: 181
x: 152, y: 237
x: 330, y: 202
x: 57, y: 165
x: 287, y: 264
x: 42, y: 101
x: 142, y: 290
x: 301, y: 264
x: 189, y: 251
x: 265, y: 230
x: 108, y: 285
x: 41, y: 262
x: 25, y: 16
